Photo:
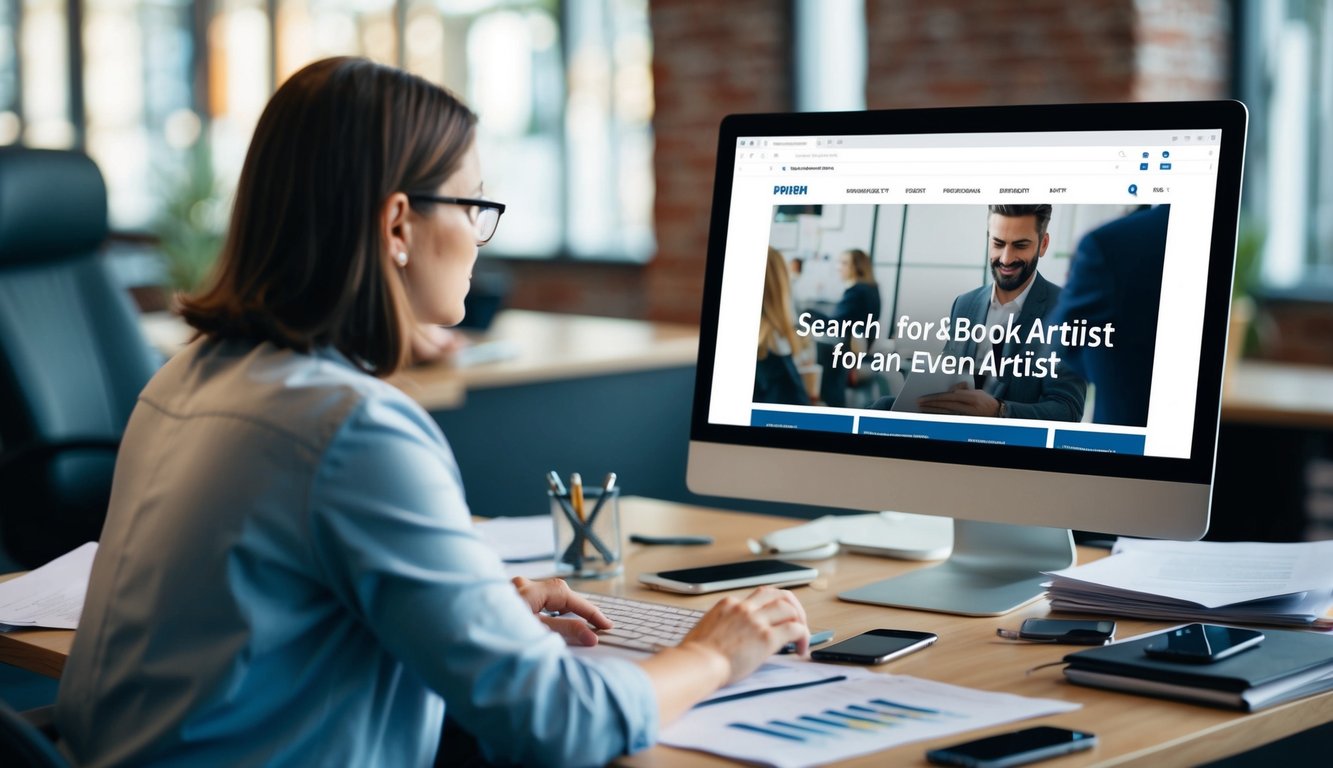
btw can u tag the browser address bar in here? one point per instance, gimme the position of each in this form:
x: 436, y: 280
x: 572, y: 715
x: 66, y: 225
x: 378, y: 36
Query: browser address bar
x: 960, y: 168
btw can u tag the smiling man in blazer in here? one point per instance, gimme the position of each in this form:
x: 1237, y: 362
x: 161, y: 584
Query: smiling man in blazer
x: 1017, y: 238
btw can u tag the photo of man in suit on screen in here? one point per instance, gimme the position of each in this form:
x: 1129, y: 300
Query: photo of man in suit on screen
x: 1017, y: 238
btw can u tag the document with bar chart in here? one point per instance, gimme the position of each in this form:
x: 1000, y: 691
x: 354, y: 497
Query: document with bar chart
x: 865, y: 713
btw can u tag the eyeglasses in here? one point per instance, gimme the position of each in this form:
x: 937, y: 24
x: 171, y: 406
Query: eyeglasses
x: 485, y: 214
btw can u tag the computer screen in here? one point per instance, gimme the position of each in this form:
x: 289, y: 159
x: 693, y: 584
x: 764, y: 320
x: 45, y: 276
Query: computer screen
x: 1010, y: 315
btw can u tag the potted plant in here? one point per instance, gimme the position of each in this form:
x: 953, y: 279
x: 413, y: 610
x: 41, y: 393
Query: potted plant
x: 192, y: 222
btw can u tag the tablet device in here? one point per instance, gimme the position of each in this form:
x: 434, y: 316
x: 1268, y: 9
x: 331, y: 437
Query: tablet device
x: 715, y: 578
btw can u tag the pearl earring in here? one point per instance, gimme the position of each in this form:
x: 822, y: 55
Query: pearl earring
x: 400, y: 258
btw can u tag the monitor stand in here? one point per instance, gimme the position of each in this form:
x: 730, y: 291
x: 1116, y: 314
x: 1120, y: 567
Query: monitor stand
x: 993, y: 569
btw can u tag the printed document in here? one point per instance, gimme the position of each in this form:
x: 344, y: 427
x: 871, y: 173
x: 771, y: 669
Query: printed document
x: 1209, y: 574
x: 49, y: 596
x: 867, y: 712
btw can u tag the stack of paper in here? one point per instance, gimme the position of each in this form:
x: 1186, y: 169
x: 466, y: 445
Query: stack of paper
x: 1247, y: 583
x: 50, y: 596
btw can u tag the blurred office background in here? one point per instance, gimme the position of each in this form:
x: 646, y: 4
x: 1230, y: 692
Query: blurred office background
x: 599, y: 117
x: 599, y: 125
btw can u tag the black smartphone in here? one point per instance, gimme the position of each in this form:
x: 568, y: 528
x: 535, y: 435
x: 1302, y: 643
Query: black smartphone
x: 876, y: 646
x: 747, y: 573
x: 1202, y: 643
x: 1066, y: 631
x: 1015, y: 748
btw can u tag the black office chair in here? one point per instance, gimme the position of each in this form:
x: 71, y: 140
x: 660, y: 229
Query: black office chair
x: 72, y: 355
x: 27, y: 739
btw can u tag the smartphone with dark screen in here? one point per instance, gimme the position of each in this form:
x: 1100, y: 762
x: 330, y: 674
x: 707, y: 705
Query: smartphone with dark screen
x: 1015, y: 748
x: 747, y: 573
x: 876, y: 646
x: 1067, y: 631
x: 1202, y: 643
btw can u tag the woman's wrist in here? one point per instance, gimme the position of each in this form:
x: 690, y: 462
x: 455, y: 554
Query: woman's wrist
x: 705, y: 657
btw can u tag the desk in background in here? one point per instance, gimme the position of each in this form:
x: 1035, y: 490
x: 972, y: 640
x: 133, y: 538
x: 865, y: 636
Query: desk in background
x: 593, y: 395
x: 1276, y: 419
x: 1133, y: 730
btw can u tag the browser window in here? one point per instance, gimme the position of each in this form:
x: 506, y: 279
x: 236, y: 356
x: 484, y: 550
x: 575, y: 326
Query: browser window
x: 1041, y: 289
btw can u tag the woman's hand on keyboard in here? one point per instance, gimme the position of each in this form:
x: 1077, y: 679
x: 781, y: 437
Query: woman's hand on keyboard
x: 747, y: 631
x: 553, y: 596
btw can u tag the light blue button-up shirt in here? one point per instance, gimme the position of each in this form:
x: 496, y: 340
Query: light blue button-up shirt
x: 288, y: 576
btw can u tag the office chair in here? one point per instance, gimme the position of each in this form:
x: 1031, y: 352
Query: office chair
x: 72, y: 356
x: 28, y: 744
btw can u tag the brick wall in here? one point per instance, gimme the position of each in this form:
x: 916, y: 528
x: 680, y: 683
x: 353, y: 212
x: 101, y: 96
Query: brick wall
x: 1183, y: 50
x: 966, y: 52
x: 709, y: 59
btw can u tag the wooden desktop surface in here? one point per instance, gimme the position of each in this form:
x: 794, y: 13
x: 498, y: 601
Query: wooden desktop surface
x: 537, y: 347
x: 1279, y: 395
x: 1133, y: 730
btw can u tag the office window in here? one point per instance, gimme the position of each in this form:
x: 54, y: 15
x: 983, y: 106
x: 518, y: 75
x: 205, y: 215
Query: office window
x: 11, y: 126
x: 159, y: 87
x: 564, y: 92
x: 314, y: 29
x: 43, y: 67
x: 1286, y: 78
x: 137, y: 100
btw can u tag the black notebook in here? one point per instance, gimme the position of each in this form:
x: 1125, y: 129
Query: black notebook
x: 1286, y: 665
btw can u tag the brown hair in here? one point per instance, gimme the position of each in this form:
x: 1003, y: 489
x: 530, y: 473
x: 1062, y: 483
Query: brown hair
x: 865, y: 273
x: 304, y: 262
x: 775, y: 313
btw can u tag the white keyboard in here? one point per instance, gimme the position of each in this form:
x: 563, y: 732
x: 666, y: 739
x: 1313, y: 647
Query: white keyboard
x: 641, y: 625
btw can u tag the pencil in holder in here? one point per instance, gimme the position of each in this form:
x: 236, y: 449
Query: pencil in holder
x: 587, y: 533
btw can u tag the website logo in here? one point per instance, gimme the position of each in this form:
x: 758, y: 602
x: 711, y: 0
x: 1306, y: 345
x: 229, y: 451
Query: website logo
x: 799, y: 189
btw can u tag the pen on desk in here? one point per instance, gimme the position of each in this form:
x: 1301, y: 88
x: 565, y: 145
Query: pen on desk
x: 670, y: 541
x: 816, y: 638
x: 607, y: 486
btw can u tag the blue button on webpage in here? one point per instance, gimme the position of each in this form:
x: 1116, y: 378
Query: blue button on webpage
x: 824, y: 422
x: 1099, y: 442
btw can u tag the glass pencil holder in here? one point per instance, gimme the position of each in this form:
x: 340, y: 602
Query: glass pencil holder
x: 587, y: 535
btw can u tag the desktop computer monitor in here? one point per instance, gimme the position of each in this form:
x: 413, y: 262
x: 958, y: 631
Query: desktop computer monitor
x: 1015, y: 317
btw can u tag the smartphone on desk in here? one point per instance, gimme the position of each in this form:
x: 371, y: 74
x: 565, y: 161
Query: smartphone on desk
x: 876, y: 646
x: 1015, y: 748
x: 1067, y: 631
x: 1202, y: 643
x: 715, y: 578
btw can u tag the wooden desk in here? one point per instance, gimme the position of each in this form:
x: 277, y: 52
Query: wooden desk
x: 548, y: 347
x: 1278, y: 395
x: 1134, y: 730
x: 542, y: 347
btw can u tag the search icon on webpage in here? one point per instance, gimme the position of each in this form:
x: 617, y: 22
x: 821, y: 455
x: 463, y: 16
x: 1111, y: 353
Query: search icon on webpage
x: 1134, y: 189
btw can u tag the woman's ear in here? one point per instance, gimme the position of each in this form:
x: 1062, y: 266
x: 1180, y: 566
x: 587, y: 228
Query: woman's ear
x: 395, y: 229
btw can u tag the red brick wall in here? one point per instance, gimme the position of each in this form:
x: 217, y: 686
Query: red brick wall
x: 1183, y: 50
x: 709, y: 59
x: 975, y: 52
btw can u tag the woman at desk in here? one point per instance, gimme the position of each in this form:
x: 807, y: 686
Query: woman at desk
x: 859, y: 300
x: 288, y: 574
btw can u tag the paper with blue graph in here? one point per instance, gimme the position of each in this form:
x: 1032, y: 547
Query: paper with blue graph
x: 865, y: 713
